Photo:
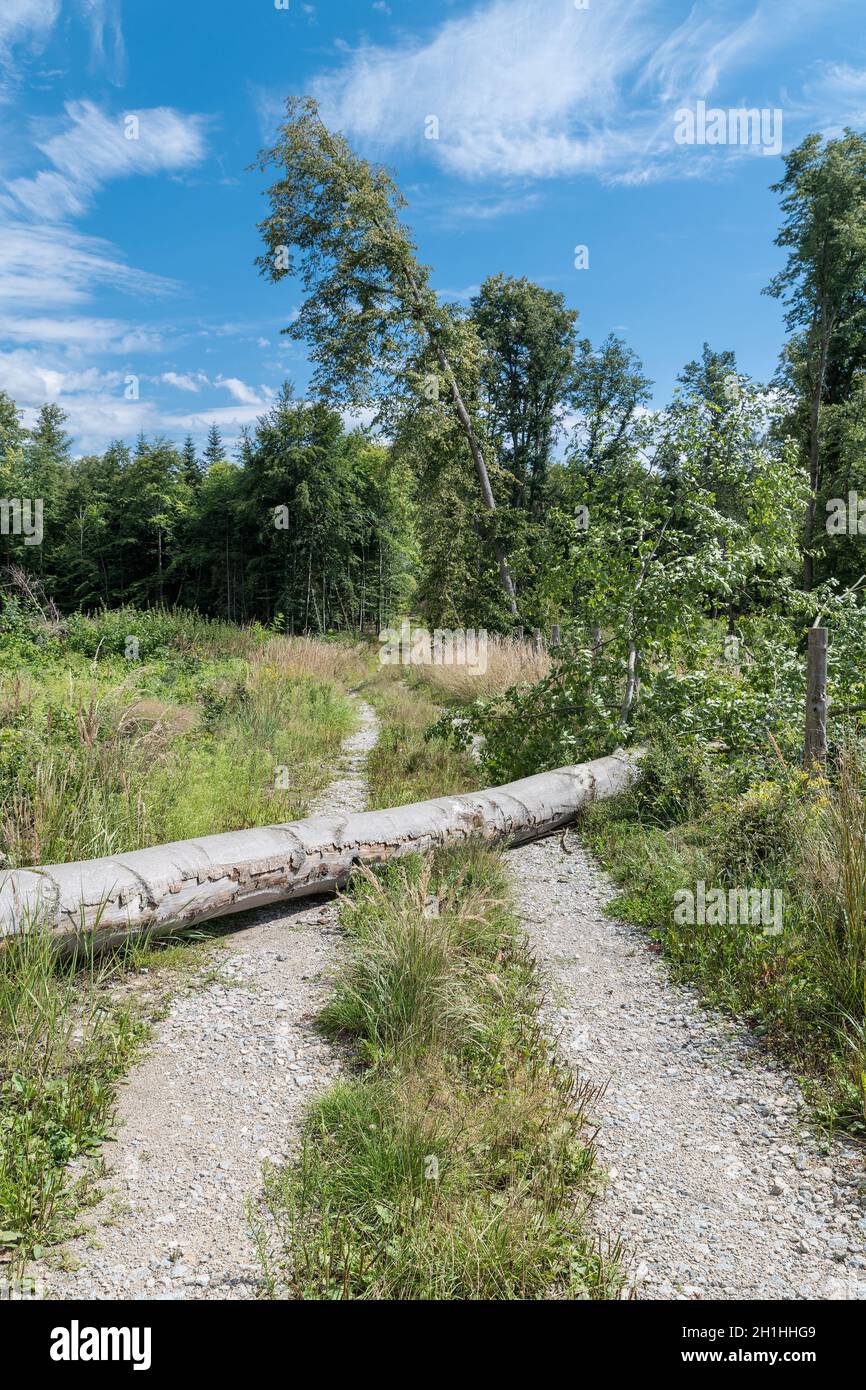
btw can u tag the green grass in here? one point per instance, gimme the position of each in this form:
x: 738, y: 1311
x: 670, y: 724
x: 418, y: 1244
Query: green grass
x: 454, y: 1163
x: 99, y: 755
x: 63, y: 1047
x: 406, y: 765
x: 70, y: 1028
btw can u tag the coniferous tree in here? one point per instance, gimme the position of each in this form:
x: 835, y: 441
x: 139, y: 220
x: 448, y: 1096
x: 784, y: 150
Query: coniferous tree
x: 213, y: 450
x: 190, y: 466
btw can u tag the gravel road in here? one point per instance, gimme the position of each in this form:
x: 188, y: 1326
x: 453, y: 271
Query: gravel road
x: 717, y: 1182
x: 221, y: 1088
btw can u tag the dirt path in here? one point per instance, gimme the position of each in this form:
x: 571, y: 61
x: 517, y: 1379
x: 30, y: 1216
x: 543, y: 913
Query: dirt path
x: 718, y: 1185
x: 221, y: 1088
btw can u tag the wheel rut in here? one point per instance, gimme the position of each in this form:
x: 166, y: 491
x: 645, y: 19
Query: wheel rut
x: 718, y: 1184
x: 221, y: 1089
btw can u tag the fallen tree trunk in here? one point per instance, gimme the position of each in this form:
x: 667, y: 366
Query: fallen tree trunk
x: 172, y: 887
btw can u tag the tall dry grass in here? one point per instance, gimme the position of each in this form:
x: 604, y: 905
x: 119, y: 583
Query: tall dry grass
x: 406, y: 763
x: 343, y: 662
x: 510, y: 661
x: 98, y: 757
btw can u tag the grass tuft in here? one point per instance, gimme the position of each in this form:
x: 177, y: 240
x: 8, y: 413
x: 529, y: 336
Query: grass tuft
x: 455, y: 1164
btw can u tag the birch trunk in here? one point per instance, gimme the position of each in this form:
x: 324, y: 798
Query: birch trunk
x: 172, y: 887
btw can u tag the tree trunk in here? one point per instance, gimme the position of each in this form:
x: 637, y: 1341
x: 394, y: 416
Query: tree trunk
x: 171, y: 887
x: 815, y: 451
x: 815, y: 745
x: 631, y: 686
x: 482, y: 476
x: 474, y: 447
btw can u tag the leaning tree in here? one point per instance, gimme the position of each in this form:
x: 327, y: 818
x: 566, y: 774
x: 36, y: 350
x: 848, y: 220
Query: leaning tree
x: 370, y: 310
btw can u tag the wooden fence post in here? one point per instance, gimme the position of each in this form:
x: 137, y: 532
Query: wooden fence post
x: 554, y: 635
x: 815, y: 746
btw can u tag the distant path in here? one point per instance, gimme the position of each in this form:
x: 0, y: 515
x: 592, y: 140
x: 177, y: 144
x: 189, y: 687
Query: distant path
x: 221, y: 1088
x: 717, y: 1183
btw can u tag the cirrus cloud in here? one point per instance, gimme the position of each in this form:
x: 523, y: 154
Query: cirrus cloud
x: 92, y: 147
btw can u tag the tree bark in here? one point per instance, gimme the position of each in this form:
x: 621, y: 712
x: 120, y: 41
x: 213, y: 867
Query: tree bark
x: 817, y: 394
x: 482, y: 476
x: 170, y: 888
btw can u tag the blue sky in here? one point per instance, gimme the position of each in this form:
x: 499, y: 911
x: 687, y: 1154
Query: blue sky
x: 556, y: 128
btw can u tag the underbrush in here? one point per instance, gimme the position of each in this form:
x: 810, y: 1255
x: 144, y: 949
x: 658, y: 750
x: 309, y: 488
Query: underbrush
x: 722, y: 811
x: 197, y: 729
x: 454, y: 1163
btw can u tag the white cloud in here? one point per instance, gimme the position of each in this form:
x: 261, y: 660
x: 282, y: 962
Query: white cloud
x: 837, y: 93
x: 239, y: 391
x: 80, y: 333
x: 26, y: 26
x: 185, y: 381
x: 693, y: 58
x: 94, y: 147
x: 43, y: 264
x: 23, y: 20
x: 489, y: 209
x: 93, y: 399
x: 516, y: 86
x: 538, y: 88
x: 94, y: 420
x: 220, y: 415
x: 30, y: 377
x: 44, y: 261
x: 106, y: 35
x: 465, y: 294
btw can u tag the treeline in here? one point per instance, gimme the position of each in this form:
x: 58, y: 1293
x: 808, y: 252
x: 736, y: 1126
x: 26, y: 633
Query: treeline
x: 317, y: 527
x: 310, y: 524
x: 509, y: 456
